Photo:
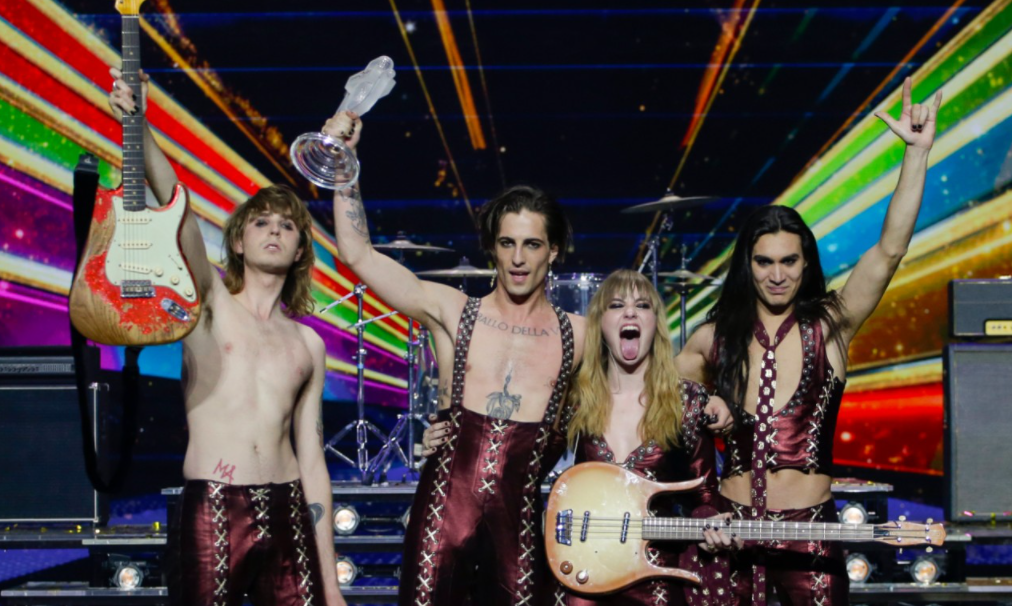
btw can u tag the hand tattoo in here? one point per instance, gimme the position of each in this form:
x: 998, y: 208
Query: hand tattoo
x: 502, y: 404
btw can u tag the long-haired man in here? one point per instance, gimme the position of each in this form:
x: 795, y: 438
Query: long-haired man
x: 775, y: 347
x: 253, y: 519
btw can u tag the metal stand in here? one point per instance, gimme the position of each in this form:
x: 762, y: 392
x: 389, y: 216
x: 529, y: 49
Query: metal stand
x: 361, y: 426
x: 419, y: 367
x: 653, y: 247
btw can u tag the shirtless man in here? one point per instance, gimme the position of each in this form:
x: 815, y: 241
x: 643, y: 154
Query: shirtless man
x: 250, y: 371
x: 475, y: 527
x: 775, y: 345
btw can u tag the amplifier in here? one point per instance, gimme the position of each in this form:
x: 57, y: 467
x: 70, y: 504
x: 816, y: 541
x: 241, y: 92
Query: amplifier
x: 977, y: 428
x: 43, y: 479
x: 980, y: 308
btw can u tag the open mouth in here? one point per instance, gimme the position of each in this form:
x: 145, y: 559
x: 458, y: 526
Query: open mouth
x: 518, y: 276
x: 629, y: 337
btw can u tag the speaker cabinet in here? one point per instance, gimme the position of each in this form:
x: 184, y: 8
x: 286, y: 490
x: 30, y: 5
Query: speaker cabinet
x: 978, y: 431
x: 42, y: 477
x: 980, y: 308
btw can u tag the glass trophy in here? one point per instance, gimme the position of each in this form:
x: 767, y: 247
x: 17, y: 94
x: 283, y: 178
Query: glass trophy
x: 326, y: 161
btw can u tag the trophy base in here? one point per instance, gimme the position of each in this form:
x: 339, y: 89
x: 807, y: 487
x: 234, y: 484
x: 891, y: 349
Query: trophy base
x: 325, y: 161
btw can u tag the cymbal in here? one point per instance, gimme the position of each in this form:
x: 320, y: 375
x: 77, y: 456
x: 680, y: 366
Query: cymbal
x: 464, y: 270
x: 684, y: 274
x: 401, y: 243
x: 670, y: 202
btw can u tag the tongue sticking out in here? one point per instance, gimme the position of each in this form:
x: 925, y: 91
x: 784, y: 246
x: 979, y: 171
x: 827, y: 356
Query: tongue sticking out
x: 630, y: 347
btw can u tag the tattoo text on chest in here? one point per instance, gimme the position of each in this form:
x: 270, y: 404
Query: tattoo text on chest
x: 524, y: 331
x: 225, y: 470
x: 502, y: 404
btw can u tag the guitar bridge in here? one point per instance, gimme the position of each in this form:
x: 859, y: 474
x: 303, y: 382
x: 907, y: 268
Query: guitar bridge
x: 136, y: 289
x: 564, y: 527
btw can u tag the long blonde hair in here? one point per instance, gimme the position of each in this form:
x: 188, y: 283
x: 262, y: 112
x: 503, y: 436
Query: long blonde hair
x: 296, y: 293
x: 591, y: 395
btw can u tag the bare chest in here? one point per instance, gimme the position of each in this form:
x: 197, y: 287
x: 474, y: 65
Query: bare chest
x: 782, y: 374
x: 268, y: 357
x: 511, y: 370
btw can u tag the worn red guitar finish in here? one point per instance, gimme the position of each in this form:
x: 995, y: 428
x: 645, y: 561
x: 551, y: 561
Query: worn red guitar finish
x: 98, y: 308
x: 133, y: 285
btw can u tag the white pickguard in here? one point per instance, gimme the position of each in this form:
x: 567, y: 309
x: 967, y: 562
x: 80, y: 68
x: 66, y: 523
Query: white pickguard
x: 144, y: 247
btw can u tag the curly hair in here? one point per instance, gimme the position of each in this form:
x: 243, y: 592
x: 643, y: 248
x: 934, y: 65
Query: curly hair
x: 295, y: 294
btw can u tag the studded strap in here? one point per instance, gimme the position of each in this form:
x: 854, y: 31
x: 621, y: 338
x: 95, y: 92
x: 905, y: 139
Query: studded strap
x: 465, y: 329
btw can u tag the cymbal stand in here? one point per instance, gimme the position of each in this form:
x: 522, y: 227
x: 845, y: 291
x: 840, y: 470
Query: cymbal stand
x: 361, y: 426
x: 653, y: 247
x: 683, y: 290
x: 405, y: 422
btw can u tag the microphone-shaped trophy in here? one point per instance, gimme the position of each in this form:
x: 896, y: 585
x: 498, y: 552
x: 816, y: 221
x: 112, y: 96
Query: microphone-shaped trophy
x: 326, y: 161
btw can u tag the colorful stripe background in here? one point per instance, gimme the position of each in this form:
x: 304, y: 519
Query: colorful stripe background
x: 53, y: 90
x: 891, y: 417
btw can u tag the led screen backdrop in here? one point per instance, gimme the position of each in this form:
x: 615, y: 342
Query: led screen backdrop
x: 892, y: 411
x: 53, y: 87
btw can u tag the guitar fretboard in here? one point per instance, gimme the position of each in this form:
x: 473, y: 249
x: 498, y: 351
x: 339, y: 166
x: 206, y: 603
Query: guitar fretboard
x: 133, y: 125
x: 656, y: 529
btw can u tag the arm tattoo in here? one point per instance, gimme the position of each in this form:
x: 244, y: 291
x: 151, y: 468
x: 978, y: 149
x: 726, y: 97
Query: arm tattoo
x: 502, y: 404
x: 357, y: 213
x: 319, y: 427
x: 315, y: 512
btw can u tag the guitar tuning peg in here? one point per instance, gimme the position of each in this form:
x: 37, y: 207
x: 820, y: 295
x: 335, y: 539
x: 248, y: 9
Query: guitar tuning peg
x: 929, y: 549
x: 902, y: 518
x: 929, y: 521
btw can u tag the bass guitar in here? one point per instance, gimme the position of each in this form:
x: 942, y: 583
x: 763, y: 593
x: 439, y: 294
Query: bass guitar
x: 599, y: 523
x: 133, y: 285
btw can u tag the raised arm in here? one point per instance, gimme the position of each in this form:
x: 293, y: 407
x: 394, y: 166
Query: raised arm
x: 313, y: 466
x: 875, y: 269
x: 162, y: 179
x: 427, y: 302
x: 691, y: 360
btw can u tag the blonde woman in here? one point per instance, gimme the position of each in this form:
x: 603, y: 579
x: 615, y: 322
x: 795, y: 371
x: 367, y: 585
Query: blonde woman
x: 632, y: 410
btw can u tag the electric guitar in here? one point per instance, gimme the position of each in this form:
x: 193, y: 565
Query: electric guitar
x: 598, y: 526
x: 133, y: 285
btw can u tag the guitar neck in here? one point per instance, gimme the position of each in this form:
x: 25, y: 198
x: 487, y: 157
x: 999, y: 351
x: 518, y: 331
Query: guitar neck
x: 133, y: 124
x: 691, y: 529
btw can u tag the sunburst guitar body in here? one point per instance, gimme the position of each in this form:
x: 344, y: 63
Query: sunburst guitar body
x: 133, y: 285
x: 598, y: 524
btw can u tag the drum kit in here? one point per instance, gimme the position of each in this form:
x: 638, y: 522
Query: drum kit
x: 572, y: 292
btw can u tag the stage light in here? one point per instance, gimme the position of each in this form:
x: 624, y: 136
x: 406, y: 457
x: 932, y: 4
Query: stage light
x: 858, y: 568
x: 346, y: 519
x: 854, y: 513
x: 925, y: 570
x: 346, y: 571
x: 126, y: 574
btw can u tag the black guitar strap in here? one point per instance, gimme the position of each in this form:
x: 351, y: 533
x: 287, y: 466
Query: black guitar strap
x: 85, y: 186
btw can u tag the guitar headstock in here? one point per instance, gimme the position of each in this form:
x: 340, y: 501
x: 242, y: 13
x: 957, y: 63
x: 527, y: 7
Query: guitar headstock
x: 905, y: 534
x: 129, y: 7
